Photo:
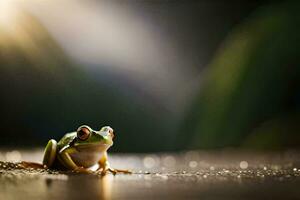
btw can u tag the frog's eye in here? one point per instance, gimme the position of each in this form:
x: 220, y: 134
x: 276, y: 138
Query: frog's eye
x: 83, y: 133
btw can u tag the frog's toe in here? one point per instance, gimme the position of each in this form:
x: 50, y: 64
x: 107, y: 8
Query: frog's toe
x: 115, y: 171
x: 83, y: 170
x: 103, y: 171
x: 25, y: 164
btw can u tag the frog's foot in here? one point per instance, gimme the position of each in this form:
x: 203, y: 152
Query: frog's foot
x: 33, y: 165
x: 114, y: 171
x: 82, y: 170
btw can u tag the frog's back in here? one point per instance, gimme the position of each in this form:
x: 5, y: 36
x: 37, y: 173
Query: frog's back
x: 66, y: 139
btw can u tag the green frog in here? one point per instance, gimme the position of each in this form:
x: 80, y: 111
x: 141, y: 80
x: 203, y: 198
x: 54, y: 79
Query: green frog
x: 82, y: 151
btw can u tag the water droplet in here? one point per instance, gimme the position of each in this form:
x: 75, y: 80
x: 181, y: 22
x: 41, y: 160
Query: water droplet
x: 193, y: 164
x: 243, y: 164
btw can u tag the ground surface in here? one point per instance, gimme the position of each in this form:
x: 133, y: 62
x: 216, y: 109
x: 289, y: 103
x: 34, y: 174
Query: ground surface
x: 228, y: 174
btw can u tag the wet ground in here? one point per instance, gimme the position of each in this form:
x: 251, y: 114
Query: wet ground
x: 228, y: 174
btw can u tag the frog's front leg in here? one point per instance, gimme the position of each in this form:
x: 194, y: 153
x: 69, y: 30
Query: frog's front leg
x: 66, y: 160
x: 104, y: 167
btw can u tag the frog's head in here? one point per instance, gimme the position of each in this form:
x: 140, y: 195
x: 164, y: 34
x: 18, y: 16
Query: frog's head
x: 88, y: 138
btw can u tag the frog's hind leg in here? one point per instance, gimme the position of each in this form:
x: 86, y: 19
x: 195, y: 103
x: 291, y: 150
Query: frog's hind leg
x: 49, y: 157
x: 50, y: 153
x: 25, y: 164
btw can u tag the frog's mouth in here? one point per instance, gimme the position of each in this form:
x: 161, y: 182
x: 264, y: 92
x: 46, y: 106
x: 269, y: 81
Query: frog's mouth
x: 100, y: 146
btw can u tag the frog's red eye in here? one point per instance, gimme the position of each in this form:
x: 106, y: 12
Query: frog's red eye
x: 83, y: 133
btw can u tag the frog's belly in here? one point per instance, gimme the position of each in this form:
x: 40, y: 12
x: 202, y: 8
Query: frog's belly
x: 86, y: 159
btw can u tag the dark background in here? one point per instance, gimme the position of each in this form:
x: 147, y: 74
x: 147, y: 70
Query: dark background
x: 166, y: 75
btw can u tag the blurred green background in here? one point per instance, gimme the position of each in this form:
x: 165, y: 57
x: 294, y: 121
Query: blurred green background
x: 166, y: 75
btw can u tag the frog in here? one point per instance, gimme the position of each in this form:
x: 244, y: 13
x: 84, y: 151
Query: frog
x: 84, y: 150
